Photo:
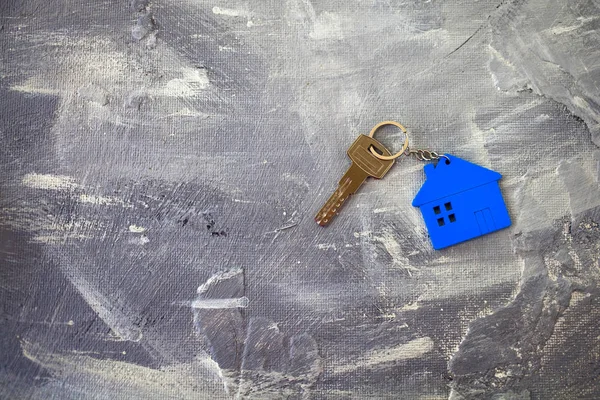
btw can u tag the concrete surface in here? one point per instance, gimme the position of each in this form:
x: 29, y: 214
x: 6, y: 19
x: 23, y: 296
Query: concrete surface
x: 162, y: 163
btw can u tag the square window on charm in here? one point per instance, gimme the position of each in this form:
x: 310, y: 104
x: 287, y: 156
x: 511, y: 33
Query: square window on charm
x: 437, y: 210
x: 452, y: 218
x: 441, y: 222
x: 448, y: 206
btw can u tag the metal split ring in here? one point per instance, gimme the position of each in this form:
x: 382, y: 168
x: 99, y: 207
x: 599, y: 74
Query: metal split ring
x: 398, y: 154
x: 420, y: 154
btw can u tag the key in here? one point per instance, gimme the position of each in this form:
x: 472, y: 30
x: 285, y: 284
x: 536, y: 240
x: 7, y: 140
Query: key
x: 364, y: 165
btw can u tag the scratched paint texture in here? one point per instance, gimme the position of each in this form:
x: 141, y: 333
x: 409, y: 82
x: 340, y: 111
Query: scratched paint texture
x: 162, y: 163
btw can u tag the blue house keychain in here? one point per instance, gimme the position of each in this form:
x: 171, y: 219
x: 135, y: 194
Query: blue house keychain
x: 459, y: 200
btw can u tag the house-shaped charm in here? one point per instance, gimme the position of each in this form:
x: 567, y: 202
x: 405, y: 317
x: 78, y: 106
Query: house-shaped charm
x: 460, y: 201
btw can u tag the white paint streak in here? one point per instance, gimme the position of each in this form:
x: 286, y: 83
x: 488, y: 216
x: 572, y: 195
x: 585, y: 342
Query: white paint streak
x: 383, y: 357
x: 49, y: 182
x: 192, y: 82
x: 505, y: 75
x: 48, y: 228
x: 384, y: 210
x: 241, y: 302
x: 219, y: 303
x: 58, y: 238
x: 388, y: 239
x: 75, y: 372
x: 218, y: 277
x: 362, y: 234
x: 541, y: 118
x: 501, y: 374
x: 243, y: 201
x: 581, y: 186
x: 102, y: 200
x: 559, y: 30
x: 230, y: 12
x: 107, y: 309
x: 580, y: 102
x: 297, y: 179
x: 67, y: 183
x: 136, y: 229
x: 410, y: 307
x: 34, y: 90
x: 326, y: 246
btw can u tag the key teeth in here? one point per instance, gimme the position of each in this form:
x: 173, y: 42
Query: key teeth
x: 324, y: 218
x: 322, y: 222
x: 330, y: 209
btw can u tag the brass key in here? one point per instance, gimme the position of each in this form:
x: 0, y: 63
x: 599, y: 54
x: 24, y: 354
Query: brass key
x: 364, y: 165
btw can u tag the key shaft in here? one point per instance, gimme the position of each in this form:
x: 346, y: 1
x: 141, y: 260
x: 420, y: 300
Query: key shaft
x: 364, y: 165
x: 349, y: 184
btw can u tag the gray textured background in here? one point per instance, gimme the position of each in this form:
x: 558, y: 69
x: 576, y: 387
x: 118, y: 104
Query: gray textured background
x: 162, y: 164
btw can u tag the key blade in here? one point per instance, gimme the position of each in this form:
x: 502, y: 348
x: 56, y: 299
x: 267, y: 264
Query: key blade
x: 349, y: 184
x: 364, y: 164
x: 329, y: 210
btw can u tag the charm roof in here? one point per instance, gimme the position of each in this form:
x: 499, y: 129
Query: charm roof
x: 448, y: 178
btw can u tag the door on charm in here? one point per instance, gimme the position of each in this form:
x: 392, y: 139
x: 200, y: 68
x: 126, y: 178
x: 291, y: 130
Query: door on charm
x: 485, y: 221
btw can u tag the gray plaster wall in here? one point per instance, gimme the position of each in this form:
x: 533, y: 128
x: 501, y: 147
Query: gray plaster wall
x: 162, y: 163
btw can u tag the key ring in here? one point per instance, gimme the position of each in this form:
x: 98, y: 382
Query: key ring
x: 398, y: 154
x: 420, y: 154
